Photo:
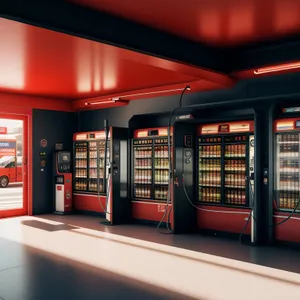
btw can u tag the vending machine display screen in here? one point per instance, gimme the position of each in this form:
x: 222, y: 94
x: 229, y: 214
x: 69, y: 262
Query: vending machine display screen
x: 63, y: 162
x: 64, y: 157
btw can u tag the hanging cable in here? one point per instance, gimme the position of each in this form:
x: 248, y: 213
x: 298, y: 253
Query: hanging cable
x: 106, y: 129
x: 170, y: 171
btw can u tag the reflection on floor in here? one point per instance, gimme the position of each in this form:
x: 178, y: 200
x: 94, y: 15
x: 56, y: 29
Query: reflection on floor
x: 75, y: 257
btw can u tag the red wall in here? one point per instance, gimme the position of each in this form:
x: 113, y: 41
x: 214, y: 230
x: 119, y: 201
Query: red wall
x: 20, y: 104
x: 14, y: 104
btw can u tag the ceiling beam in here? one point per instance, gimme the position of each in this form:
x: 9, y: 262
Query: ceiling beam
x: 265, y: 55
x: 83, y: 22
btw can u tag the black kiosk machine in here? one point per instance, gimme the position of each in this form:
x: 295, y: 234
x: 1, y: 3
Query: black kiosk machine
x: 62, y: 181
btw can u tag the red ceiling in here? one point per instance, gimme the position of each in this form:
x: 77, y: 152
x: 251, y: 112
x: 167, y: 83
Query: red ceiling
x: 214, y: 22
x: 36, y: 61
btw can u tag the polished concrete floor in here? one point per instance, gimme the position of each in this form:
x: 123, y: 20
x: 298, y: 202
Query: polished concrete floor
x: 75, y: 257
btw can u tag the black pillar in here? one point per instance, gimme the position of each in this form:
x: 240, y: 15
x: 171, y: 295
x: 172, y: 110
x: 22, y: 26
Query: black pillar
x: 258, y: 227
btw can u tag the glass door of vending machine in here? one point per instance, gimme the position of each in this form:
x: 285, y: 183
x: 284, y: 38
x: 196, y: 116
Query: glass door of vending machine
x: 97, y: 149
x: 210, y: 169
x: 226, y: 161
x: 287, y: 158
x: 143, y: 169
x: 236, y: 164
x: 80, y: 166
x: 161, y: 169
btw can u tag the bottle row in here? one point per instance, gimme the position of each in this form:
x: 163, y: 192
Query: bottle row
x: 143, y: 152
x: 146, y: 163
x: 210, y: 140
x: 93, y: 173
x: 100, y: 144
x: 235, y: 180
x: 210, y: 178
x: 292, y: 149
x: 94, y: 154
x: 161, y: 163
x: 161, y: 151
x: 235, y: 197
x: 290, y: 137
x: 143, y: 176
x: 215, y: 165
x: 143, y: 163
x: 238, y: 150
x: 81, y: 163
x: 161, y: 192
x: 210, y: 164
x: 82, y: 173
x: 93, y: 163
x: 81, y: 153
x: 83, y: 185
x: 289, y: 163
x: 235, y: 165
x: 161, y: 176
x: 218, y: 139
x: 210, y: 195
x: 288, y: 200
x: 142, y: 191
x: 210, y: 151
x: 93, y: 186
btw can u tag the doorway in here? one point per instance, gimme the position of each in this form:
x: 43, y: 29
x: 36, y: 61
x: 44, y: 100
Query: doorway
x: 13, y: 165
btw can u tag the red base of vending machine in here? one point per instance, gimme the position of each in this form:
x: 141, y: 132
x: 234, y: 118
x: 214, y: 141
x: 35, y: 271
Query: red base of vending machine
x: 225, y: 176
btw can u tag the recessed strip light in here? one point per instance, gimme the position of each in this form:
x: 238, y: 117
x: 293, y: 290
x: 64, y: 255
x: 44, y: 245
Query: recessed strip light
x: 100, y: 102
x: 120, y: 99
x: 278, y: 68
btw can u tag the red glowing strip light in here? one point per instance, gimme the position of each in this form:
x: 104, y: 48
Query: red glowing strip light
x: 120, y: 99
x: 278, y: 68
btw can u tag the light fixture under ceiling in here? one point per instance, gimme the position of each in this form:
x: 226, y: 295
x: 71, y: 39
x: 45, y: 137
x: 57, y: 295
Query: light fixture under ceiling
x: 122, y: 100
x: 277, y: 68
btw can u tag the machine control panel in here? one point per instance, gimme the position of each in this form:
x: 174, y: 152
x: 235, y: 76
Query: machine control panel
x: 64, y: 162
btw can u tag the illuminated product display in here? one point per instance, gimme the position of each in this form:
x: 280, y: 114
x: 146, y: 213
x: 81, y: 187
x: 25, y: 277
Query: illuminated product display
x: 287, y: 147
x: 226, y: 158
x: 150, y: 165
x: 85, y: 166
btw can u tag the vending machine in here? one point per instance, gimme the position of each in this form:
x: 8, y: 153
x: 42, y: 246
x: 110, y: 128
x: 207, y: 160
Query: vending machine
x: 225, y: 175
x: 150, y: 174
x: 101, y: 186
x: 63, y: 182
x: 286, y: 179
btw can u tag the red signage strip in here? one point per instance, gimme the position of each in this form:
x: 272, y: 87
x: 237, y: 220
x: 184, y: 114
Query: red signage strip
x: 89, y: 136
x: 292, y: 124
x: 151, y: 132
x: 225, y: 128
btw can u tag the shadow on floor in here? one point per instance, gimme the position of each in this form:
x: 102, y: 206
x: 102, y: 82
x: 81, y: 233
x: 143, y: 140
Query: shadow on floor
x: 274, y: 257
x: 46, y: 226
x: 42, y: 275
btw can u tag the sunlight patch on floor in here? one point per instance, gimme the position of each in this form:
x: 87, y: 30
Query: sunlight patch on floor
x: 187, y: 272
